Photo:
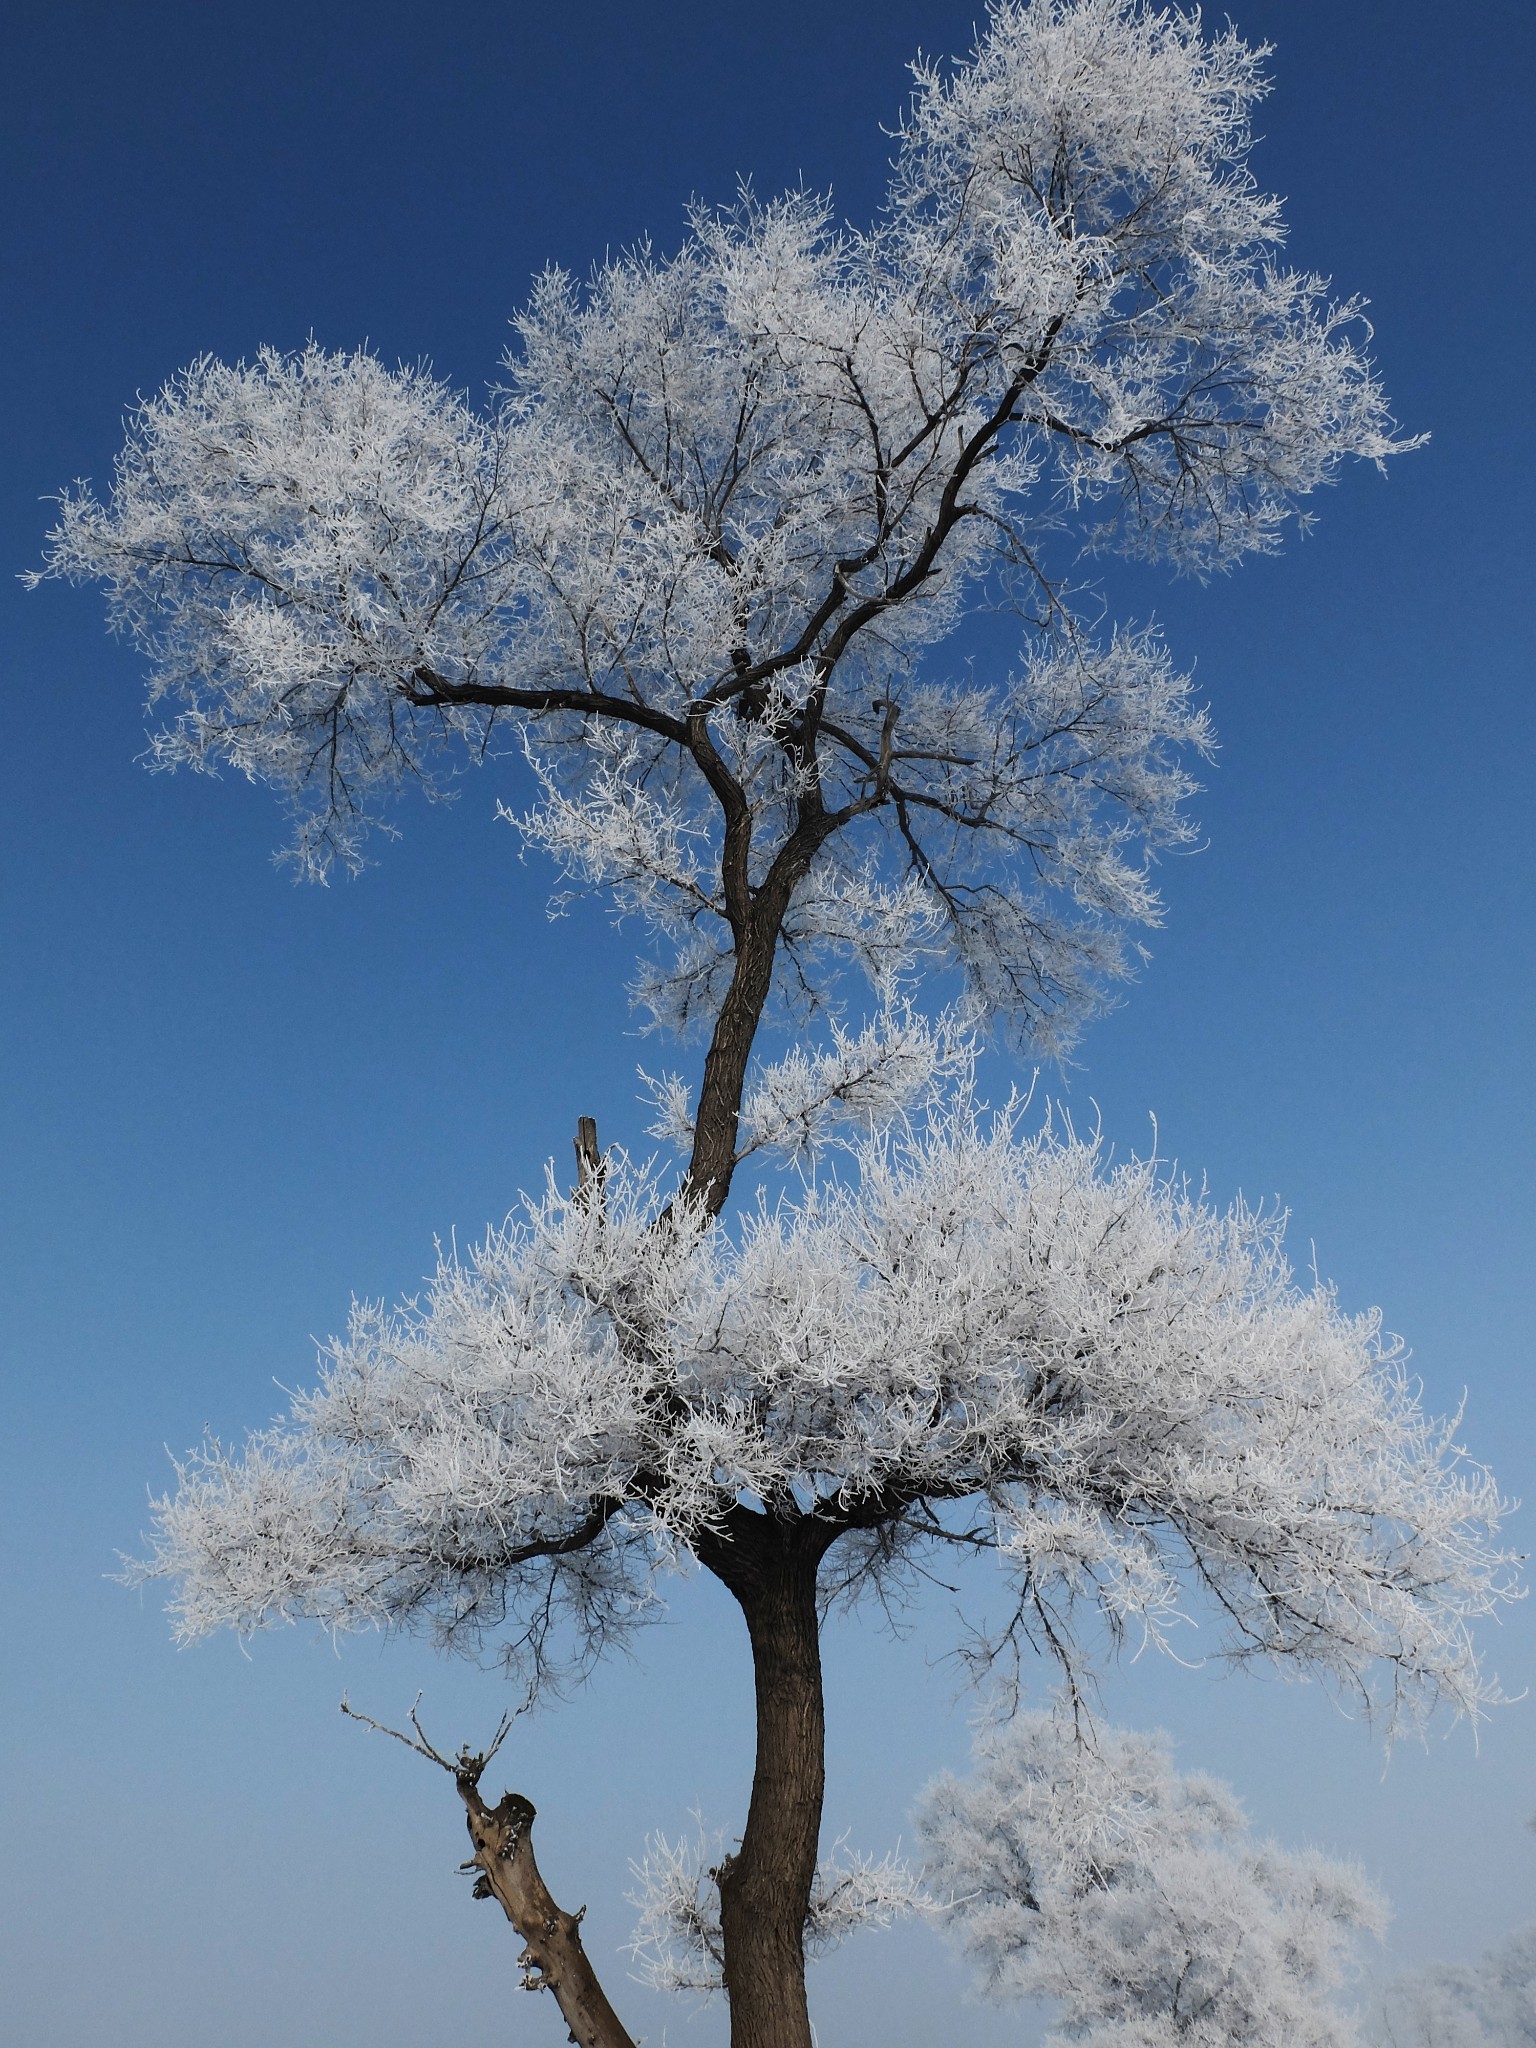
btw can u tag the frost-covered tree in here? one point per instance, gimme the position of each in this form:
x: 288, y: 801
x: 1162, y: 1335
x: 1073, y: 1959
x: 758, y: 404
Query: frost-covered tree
x: 1085, y: 1871
x: 1459, y: 2006
x: 1490, y: 2003
x: 699, y: 559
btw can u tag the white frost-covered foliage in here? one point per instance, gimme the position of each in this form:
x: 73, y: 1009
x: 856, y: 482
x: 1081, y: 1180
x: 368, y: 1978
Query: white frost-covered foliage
x: 977, y: 1337
x: 1085, y: 1870
x: 859, y: 1081
x: 1487, y: 2004
x: 678, y: 1945
x: 699, y: 552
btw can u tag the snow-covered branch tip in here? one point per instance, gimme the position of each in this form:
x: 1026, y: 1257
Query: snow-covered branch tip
x: 467, y: 1767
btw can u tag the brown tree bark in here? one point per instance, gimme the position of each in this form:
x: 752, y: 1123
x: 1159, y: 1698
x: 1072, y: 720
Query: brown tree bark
x: 758, y: 927
x: 725, y: 1071
x: 765, y: 1888
x: 553, y: 1958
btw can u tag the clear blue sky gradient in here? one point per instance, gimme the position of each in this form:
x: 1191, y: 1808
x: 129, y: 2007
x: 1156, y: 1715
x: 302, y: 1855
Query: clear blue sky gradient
x: 229, y: 1102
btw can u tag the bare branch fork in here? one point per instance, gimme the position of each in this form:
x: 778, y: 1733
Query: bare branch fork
x: 553, y: 1958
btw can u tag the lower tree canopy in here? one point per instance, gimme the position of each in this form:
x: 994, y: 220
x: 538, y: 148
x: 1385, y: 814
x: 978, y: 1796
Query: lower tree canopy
x: 974, y: 1336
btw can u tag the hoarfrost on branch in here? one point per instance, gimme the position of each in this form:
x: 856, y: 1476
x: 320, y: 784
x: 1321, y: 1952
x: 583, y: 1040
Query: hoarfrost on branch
x: 678, y: 1945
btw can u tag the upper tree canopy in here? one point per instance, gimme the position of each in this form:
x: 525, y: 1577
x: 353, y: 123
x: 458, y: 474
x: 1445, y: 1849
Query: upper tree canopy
x: 700, y: 549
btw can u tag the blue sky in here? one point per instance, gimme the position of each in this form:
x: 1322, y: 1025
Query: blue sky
x: 229, y: 1102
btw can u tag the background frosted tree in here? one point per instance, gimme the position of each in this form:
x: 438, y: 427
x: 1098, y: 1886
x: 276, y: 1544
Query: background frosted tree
x: 1086, y: 1872
x: 698, y: 561
x: 1489, y: 2003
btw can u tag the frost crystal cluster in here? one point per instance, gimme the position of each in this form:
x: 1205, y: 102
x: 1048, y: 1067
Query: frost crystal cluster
x: 1085, y: 1870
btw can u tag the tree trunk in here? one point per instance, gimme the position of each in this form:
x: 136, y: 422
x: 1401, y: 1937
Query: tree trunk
x: 730, y: 1047
x: 553, y: 1958
x: 766, y: 1887
x: 725, y: 1071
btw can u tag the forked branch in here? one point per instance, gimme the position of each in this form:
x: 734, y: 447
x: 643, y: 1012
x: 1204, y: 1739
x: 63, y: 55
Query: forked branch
x: 553, y: 1958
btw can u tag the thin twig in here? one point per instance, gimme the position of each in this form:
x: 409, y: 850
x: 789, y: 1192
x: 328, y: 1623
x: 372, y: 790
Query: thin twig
x: 469, y: 1764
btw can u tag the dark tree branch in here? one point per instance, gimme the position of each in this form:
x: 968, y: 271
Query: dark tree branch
x: 553, y: 1958
x: 431, y: 692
